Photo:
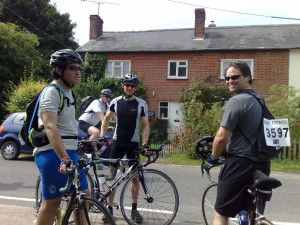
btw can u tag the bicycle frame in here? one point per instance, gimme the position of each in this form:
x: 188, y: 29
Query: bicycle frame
x: 137, y: 165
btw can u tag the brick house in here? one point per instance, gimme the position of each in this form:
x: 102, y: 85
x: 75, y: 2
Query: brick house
x: 169, y: 59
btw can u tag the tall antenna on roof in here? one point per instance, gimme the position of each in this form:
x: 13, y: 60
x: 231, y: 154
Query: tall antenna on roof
x: 99, y: 3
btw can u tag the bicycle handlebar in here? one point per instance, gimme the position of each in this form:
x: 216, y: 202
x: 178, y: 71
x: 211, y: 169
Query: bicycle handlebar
x: 205, y: 168
x: 71, y: 175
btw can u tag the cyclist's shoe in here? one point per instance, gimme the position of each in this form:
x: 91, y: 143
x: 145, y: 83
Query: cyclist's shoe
x: 104, y: 218
x: 136, y: 216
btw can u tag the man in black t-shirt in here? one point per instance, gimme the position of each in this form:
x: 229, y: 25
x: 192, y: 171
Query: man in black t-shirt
x: 130, y: 111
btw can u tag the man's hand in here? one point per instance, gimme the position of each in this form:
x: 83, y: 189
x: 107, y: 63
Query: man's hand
x: 64, y: 164
x: 211, y: 160
x: 101, y: 139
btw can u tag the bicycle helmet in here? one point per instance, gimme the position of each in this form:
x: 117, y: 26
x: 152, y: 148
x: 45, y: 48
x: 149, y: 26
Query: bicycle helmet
x: 63, y: 57
x: 106, y: 92
x: 130, y: 78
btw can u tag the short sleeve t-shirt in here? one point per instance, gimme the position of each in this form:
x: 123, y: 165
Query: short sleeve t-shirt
x: 242, y: 113
x: 128, y: 114
x: 66, y: 121
x: 89, y: 116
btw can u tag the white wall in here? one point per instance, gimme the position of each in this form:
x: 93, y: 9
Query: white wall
x: 294, y: 69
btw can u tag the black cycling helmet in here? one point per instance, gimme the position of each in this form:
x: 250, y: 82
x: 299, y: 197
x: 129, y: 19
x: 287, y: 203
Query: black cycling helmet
x: 63, y: 57
x: 130, y: 78
x: 106, y: 92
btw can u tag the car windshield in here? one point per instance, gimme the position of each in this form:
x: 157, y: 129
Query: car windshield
x: 19, y: 119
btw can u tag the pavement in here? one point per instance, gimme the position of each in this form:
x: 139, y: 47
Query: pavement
x: 17, y: 215
x: 27, y: 216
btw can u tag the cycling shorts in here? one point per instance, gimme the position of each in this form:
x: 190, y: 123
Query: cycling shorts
x: 84, y: 125
x: 120, y: 148
x: 51, y: 179
x: 236, y: 174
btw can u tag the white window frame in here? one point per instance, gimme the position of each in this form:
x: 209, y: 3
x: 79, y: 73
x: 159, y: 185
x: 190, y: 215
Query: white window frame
x: 175, y: 76
x: 112, y: 66
x: 226, y: 62
x: 163, y: 107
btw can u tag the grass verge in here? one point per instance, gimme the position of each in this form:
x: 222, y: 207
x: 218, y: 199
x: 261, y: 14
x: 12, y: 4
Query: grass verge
x: 276, y: 165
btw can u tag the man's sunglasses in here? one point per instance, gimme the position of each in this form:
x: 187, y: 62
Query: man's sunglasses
x: 130, y: 85
x: 73, y: 68
x: 234, y: 77
x: 106, y: 96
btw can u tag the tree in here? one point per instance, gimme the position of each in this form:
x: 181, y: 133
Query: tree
x: 18, y: 52
x: 55, y: 30
x: 93, y: 67
x: 202, y: 111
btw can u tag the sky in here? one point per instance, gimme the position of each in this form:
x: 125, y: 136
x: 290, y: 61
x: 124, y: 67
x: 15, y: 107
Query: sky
x: 140, y: 15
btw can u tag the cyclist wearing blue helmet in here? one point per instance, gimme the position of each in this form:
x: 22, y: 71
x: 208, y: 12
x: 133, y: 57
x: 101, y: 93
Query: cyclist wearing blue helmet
x: 130, y: 112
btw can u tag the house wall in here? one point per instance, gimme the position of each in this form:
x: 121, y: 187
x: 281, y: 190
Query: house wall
x: 270, y: 67
x: 294, y: 66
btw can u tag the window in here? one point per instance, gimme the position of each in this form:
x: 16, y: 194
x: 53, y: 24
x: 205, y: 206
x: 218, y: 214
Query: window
x: 163, y: 110
x: 117, y: 69
x: 226, y: 62
x: 177, y: 69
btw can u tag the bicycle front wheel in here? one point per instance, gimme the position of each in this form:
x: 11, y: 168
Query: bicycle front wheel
x: 38, y: 195
x: 90, y: 212
x: 208, y: 203
x: 158, y: 206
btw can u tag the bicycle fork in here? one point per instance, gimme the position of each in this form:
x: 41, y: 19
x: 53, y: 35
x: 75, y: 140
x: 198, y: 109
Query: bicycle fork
x: 144, y: 185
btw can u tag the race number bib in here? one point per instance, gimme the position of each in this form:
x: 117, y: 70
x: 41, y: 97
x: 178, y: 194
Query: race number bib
x: 277, y: 132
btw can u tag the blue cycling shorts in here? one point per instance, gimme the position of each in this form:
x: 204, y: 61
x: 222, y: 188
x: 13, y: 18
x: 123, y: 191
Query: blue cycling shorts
x: 51, y: 179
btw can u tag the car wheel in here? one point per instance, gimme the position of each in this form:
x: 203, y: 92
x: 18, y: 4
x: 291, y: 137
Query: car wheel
x: 10, y: 150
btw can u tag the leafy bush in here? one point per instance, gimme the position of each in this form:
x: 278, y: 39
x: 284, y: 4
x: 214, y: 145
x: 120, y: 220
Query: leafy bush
x: 22, y: 94
x: 159, y: 131
x: 202, y: 112
x: 284, y: 102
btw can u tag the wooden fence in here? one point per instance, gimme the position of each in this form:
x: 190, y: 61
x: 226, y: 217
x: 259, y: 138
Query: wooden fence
x: 292, y: 152
x: 288, y: 153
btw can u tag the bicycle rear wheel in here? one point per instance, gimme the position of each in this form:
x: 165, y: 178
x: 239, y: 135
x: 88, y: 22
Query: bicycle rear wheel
x: 91, y: 210
x: 160, y: 207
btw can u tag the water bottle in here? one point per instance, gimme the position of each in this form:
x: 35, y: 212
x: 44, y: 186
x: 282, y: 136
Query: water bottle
x: 102, y: 183
x: 244, y: 217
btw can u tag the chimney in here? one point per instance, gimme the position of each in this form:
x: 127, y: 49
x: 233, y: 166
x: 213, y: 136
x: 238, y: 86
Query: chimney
x: 199, y: 23
x: 212, y: 24
x: 96, y: 27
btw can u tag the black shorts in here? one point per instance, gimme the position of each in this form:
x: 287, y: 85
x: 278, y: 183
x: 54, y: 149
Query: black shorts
x: 234, y: 178
x: 120, y: 148
x: 84, y: 125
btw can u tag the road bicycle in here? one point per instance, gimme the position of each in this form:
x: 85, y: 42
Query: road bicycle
x: 158, y: 199
x: 261, y: 189
x: 80, y: 209
x: 104, y: 151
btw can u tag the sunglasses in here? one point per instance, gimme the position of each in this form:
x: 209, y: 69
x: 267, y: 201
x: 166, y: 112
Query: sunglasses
x: 73, y: 68
x: 106, y: 96
x: 234, y: 77
x: 130, y: 85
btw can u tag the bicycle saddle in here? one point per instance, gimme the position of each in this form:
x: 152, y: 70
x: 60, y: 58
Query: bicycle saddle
x: 262, y: 181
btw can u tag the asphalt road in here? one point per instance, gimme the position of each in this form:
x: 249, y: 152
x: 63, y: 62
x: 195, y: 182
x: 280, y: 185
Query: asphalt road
x: 18, y: 179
